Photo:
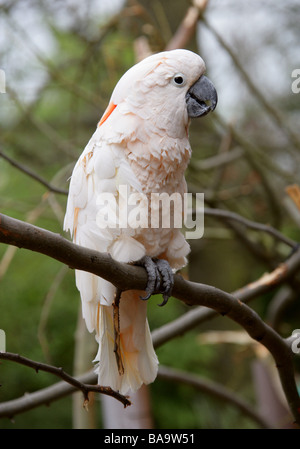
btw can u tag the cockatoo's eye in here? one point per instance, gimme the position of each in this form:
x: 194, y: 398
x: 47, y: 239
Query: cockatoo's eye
x: 179, y: 80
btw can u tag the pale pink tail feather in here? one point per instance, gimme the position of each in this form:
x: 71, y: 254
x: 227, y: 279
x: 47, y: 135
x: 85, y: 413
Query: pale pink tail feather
x: 138, y: 356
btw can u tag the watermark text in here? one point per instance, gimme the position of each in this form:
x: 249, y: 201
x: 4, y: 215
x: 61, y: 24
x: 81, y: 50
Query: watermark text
x: 2, y: 82
x: 296, y: 342
x: 2, y: 341
x: 296, y: 83
x: 157, y: 210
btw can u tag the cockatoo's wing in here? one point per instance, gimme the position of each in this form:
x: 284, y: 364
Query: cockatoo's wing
x: 92, y: 217
x: 100, y: 178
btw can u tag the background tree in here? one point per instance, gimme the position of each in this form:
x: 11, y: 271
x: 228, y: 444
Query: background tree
x: 62, y: 60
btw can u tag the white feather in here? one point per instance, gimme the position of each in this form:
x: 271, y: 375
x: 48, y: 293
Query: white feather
x: 127, y: 249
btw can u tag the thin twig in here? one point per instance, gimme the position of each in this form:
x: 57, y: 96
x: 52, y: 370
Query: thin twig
x: 29, y: 401
x: 273, y: 113
x: 33, y: 175
x: 219, y: 160
x: 213, y: 389
x: 228, y: 215
x: 44, y: 127
x: 59, y: 372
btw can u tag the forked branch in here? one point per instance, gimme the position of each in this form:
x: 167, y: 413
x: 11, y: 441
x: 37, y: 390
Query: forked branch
x: 126, y: 277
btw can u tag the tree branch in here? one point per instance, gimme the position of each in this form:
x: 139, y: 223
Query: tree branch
x: 33, y: 175
x: 59, y: 372
x: 232, y: 216
x: 11, y: 408
x: 127, y: 277
x: 213, y: 389
x: 187, y: 27
x: 14, y: 407
x: 273, y: 113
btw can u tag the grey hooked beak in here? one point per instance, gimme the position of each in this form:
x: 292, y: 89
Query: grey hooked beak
x: 201, y: 98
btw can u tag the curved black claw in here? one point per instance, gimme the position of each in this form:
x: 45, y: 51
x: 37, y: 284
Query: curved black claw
x: 153, y: 282
x: 160, y: 278
x: 167, y: 279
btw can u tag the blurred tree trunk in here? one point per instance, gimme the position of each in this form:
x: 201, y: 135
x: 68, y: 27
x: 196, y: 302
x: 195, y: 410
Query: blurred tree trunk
x: 137, y: 416
x: 270, y: 405
x: 83, y: 418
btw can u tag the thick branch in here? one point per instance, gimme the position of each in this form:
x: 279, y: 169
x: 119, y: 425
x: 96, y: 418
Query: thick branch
x: 126, y: 277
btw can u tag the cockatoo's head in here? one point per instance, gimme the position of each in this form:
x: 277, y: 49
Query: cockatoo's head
x: 166, y: 89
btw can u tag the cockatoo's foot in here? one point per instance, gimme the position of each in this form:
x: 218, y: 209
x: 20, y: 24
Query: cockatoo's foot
x: 160, y: 278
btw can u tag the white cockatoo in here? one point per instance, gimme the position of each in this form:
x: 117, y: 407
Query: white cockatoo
x: 140, y: 147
